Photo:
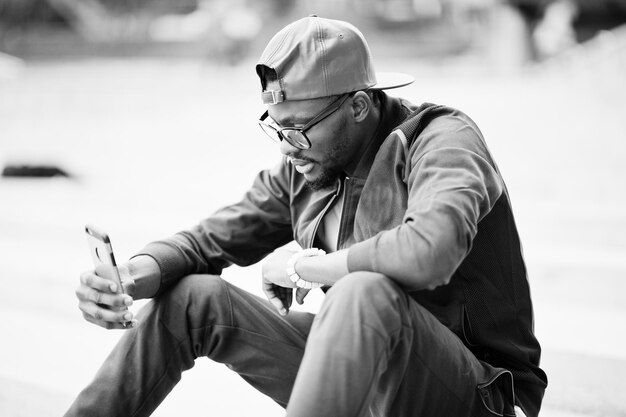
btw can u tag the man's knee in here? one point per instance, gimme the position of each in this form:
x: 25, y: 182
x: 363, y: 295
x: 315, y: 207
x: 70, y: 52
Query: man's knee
x: 194, y: 286
x: 366, y: 298
x: 201, y: 299
x: 366, y: 286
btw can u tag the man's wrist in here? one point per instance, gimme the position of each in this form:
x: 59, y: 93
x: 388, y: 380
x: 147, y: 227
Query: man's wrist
x: 144, y: 277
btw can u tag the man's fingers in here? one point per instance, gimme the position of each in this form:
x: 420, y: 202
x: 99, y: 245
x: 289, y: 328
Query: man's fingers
x: 84, y: 293
x: 278, y: 305
x: 101, y: 314
x: 271, y: 292
x: 90, y: 279
x: 105, y: 324
x: 286, y: 296
x: 300, y: 294
x: 101, y: 304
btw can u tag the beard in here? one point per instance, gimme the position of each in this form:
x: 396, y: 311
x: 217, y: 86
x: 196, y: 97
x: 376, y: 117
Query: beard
x: 335, y: 162
x: 327, y: 178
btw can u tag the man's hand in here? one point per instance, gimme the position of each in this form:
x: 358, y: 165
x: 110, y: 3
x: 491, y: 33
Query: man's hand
x: 103, y: 303
x: 277, y: 286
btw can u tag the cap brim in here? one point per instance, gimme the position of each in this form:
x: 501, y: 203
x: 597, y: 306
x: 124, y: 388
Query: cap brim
x: 387, y: 80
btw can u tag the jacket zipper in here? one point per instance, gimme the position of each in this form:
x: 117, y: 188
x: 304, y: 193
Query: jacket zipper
x: 342, y: 219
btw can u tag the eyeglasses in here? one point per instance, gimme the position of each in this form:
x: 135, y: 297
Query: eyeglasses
x: 295, y: 136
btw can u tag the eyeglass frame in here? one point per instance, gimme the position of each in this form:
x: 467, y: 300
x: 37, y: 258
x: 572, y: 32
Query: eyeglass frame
x: 325, y: 113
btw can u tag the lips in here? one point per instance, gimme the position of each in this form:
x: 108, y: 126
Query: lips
x: 304, y: 169
x: 301, y: 165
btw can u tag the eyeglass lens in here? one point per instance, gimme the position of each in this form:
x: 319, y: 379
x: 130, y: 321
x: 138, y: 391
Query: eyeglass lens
x: 296, y: 136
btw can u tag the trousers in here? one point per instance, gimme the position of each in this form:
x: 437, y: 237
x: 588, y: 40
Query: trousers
x: 370, y: 351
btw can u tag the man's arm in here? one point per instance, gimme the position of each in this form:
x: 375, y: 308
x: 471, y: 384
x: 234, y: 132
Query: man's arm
x: 241, y: 233
x: 450, y: 188
x: 452, y: 185
x: 326, y: 269
x: 145, y: 277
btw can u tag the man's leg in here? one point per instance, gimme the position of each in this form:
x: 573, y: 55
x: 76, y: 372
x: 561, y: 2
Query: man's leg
x: 202, y: 315
x: 373, y: 351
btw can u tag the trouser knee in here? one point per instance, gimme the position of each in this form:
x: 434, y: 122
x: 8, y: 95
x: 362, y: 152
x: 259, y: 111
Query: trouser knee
x: 195, y: 301
x: 366, y: 288
x: 365, y: 298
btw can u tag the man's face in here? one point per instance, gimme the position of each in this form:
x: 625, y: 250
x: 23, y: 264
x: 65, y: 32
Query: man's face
x: 332, y: 147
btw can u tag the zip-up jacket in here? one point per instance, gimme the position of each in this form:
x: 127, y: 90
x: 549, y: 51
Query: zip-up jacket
x: 426, y: 204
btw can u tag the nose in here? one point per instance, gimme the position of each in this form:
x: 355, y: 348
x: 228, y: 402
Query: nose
x: 287, y: 148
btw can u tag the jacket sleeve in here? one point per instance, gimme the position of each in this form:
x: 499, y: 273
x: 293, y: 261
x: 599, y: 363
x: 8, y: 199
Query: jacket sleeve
x: 241, y: 233
x: 451, y: 186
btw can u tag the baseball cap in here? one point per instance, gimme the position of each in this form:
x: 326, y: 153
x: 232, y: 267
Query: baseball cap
x: 317, y: 57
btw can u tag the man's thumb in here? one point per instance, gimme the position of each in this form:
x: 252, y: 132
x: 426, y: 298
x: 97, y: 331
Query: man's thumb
x: 300, y: 294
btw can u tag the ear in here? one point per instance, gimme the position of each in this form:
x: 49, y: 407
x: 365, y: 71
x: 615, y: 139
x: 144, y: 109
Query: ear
x: 361, y: 106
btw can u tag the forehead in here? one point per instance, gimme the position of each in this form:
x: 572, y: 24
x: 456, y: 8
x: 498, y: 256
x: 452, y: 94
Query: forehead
x: 296, y: 112
x: 288, y: 113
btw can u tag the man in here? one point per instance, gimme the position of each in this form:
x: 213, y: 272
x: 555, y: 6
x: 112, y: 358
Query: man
x: 405, y: 223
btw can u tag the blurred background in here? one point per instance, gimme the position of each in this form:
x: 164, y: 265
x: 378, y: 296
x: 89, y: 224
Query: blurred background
x: 140, y: 117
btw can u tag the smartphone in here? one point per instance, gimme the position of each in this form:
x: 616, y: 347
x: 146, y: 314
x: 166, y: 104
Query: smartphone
x: 103, y: 258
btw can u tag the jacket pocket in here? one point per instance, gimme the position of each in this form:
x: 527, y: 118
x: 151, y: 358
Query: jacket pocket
x: 497, y: 394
